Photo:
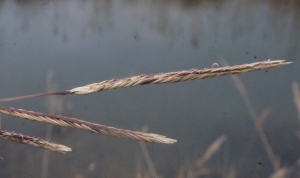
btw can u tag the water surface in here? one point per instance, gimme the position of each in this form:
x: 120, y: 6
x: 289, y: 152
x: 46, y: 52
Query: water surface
x: 83, y: 42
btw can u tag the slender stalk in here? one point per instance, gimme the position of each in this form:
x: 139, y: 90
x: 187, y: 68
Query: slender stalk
x: 80, y: 124
x: 161, y: 78
x: 51, y: 109
x: 198, y: 169
x: 147, y: 157
x: 211, y: 150
x: 256, y: 120
x: 296, y: 92
x: 34, y: 95
x: 33, y: 141
x: 148, y: 160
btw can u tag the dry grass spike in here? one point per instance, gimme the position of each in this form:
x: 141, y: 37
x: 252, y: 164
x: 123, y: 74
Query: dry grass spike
x: 161, y: 78
x: 88, y: 126
x: 33, y: 141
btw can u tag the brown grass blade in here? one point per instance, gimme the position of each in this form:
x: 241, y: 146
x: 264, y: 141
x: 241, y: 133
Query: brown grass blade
x: 161, y: 78
x: 88, y: 126
x: 173, y: 77
x: 33, y: 141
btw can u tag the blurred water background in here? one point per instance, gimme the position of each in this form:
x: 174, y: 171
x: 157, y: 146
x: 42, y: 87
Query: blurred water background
x: 83, y: 42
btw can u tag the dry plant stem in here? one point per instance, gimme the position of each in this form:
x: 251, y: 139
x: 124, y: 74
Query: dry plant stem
x: 297, y: 96
x: 149, y: 162
x: 162, y: 78
x: 34, y: 95
x: 281, y: 173
x: 198, y: 169
x: 243, y: 159
x: 201, y: 172
x: 147, y: 157
x: 274, y: 160
x: 50, y: 106
x: 257, y: 122
x: 173, y: 77
x: 33, y: 141
x: 92, y: 127
x: 211, y: 150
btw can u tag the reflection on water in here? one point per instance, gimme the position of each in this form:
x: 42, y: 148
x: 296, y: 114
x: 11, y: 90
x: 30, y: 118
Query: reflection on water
x: 89, y: 41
